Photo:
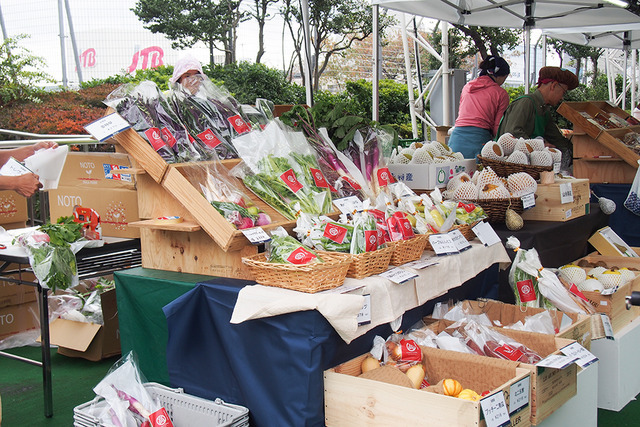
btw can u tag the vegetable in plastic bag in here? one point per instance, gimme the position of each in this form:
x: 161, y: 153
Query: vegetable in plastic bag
x: 287, y: 250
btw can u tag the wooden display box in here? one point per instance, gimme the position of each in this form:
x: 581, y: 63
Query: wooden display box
x: 599, y: 152
x: 549, y: 206
x: 550, y: 388
x: 205, y: 242
x: 350, y: 400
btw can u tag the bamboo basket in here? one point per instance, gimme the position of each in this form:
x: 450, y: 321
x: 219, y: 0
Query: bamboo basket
x: 497, y: 208
x: 505, y: 169
x: 367, y: 263
x: 405, y: 251
x: 311, y: 278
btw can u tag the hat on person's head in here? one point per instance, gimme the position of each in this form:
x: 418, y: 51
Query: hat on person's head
x: 560, y: 75
x: 494, y: 66
x: 184, y: 64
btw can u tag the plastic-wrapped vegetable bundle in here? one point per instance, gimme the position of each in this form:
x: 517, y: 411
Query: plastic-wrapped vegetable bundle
x: 284, y: 249
x: 137, y: 104
x: 323, y: 233
x: 366, y: 235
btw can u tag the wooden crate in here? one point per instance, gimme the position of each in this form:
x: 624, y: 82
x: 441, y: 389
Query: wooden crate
x: 205, y: 242
x: 549, y: 206
x: 604, y: 171
x: 350, y: 400
x: 550, y: 388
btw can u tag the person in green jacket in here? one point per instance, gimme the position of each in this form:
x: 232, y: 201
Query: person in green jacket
x: 529, y: 116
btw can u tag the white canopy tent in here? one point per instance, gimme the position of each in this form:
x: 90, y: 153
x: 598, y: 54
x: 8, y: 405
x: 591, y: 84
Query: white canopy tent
x: 525, y: 14
x: 625, y: 37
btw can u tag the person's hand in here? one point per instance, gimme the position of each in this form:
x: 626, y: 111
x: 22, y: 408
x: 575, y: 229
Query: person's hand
x: 27, y: 184
x: 44, y: 144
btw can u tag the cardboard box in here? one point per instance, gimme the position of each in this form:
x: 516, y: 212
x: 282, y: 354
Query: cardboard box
x: 351, y: 400
x: 572, y: 326
x: 18, y: 318
x: 563, y: 200
x: 608, y: 243
x: 89, y: 340
x: 430, y: 176
x: 13, y: 293
x: 550, y: 388
x: 97, y: 170
x: 13, y: 208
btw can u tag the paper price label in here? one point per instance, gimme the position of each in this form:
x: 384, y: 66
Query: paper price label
x: 348, y: 205
x: 364, y: 316
x: 519, y: 394
x: 256, y: 235
x: 609, y: 291
x: 566, y: 193
x: 459, y: 240
x: 584, y: 356
x: 398, y: 275
x: 421, y: 264
x: 107, y: 126
x: 556, y: 361
x: 495, y: 410
x: 567, y: 214
x: 485, y: 232
x: 528, y: 201
x: 442, y: 244
x: 608, y: 328
x: 13, y: 168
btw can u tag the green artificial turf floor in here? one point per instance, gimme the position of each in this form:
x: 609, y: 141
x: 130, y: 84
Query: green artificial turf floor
x: 74, y: 379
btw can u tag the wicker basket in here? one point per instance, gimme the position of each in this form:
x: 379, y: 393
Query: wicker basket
x: 497, y: 208
x: 311, y: 278
x: 367, y: 263
x: 405, y: 251
x: 505, y: 169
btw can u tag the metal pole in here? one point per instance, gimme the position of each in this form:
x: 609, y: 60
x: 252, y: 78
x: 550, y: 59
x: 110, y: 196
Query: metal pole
x: 62, y: 50
x: 4, y: 29
x: 527, y: 58
x: 407, y: 67
x: 634, y: 65
x: 624, y: 78
x: 419, y: 72
x: 446, y: 89
x: 544, y: 51
x: 375, y: 89
x: 304, y: 4
x: 73, y: 41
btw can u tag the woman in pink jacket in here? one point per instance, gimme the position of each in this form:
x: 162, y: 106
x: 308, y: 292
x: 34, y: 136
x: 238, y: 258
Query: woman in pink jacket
x: 482, y: 104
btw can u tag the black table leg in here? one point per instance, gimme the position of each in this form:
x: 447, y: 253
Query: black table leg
x: 46, y: 351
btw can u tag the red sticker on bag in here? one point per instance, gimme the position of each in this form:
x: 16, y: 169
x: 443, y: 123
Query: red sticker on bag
x: 300, y: 256
x: 526, y: 290
x: 238, y: 124
x: 574, y: 290
x: 371, y: 239
x: 509, y: 352
x: 289, y: 178
x: 352, y: 183
x: 160, y: 418
x: 335, y: 233
x: 384, y: 177
x: 168, y: 136
x: 209, y: 138
x: 155, y: 138
x: 318, y: 178
x: 410, y: 351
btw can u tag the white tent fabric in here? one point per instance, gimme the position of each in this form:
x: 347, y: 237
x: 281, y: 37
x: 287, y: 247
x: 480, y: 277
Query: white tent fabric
x: 604, y: 36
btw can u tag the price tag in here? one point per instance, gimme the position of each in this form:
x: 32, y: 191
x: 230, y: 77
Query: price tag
x: 462, y: 244
x: 364, y: 316
x: 585, y: 357
x: 566, y: 193
x: 347, y: 205
x: 421, y: 264
x: 256, y: 235
x: 556, y: 361
x: 485, y: 232
x: 608, y: 328
x: 567, y: 214
x: 13, y: 168
x: 528, y: 200
x: 495, y: 410
x: 519, y: 394
x: 609, y: 291
x: 556, y: 167
x: 442, y: 244
x: 398, y: 275
x: 107, y: 126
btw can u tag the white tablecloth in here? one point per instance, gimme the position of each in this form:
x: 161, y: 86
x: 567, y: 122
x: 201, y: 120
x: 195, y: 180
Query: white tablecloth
x: 388, y: 300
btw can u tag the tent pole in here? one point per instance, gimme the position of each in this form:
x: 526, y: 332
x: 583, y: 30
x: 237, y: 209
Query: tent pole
x: 527, y: 58
x: 407, y: 67
x: 544, y: 51
x: 375, y: 106
x: 624, y: 78
x: 4, y: 29
x: 416, y: 48
x: 63, y: 56
x: 304, y: 4
x: 634, y: 64
x: 73, y: 41
x: 446, y: 102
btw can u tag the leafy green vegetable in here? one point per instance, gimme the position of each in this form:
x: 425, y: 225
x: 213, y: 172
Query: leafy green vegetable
x: 283, y: 250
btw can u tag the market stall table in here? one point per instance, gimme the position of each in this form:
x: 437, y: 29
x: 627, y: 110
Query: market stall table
x: 273, y: 365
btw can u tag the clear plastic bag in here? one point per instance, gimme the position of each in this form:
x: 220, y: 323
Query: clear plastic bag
x: 632, y: 202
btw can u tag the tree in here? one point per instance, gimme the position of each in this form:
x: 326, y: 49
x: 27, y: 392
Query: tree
x: 187, y: 22
x: 488, y: 40
x: 578, y: 52
x: 341, y: 21
x: 261, y: 14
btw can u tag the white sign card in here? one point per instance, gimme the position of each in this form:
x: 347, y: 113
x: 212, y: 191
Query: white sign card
x: 519, y: 394
x: 462, y: 244
x: 495, y: 410
x: 348, y: 205
x: 528, y: 200
x: 556, y: 361
x: 421, y: 263
x: 608, y: 328
x: 442, y: 244
x: 13, y: 168
x: 256, y: 235
x: 566, y: 193
x: 486, y: 233
x: 398, y: 275
x: 585, y: 357
x: 107, y: 126
x: 364, y: 316
x: 556, y: 167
